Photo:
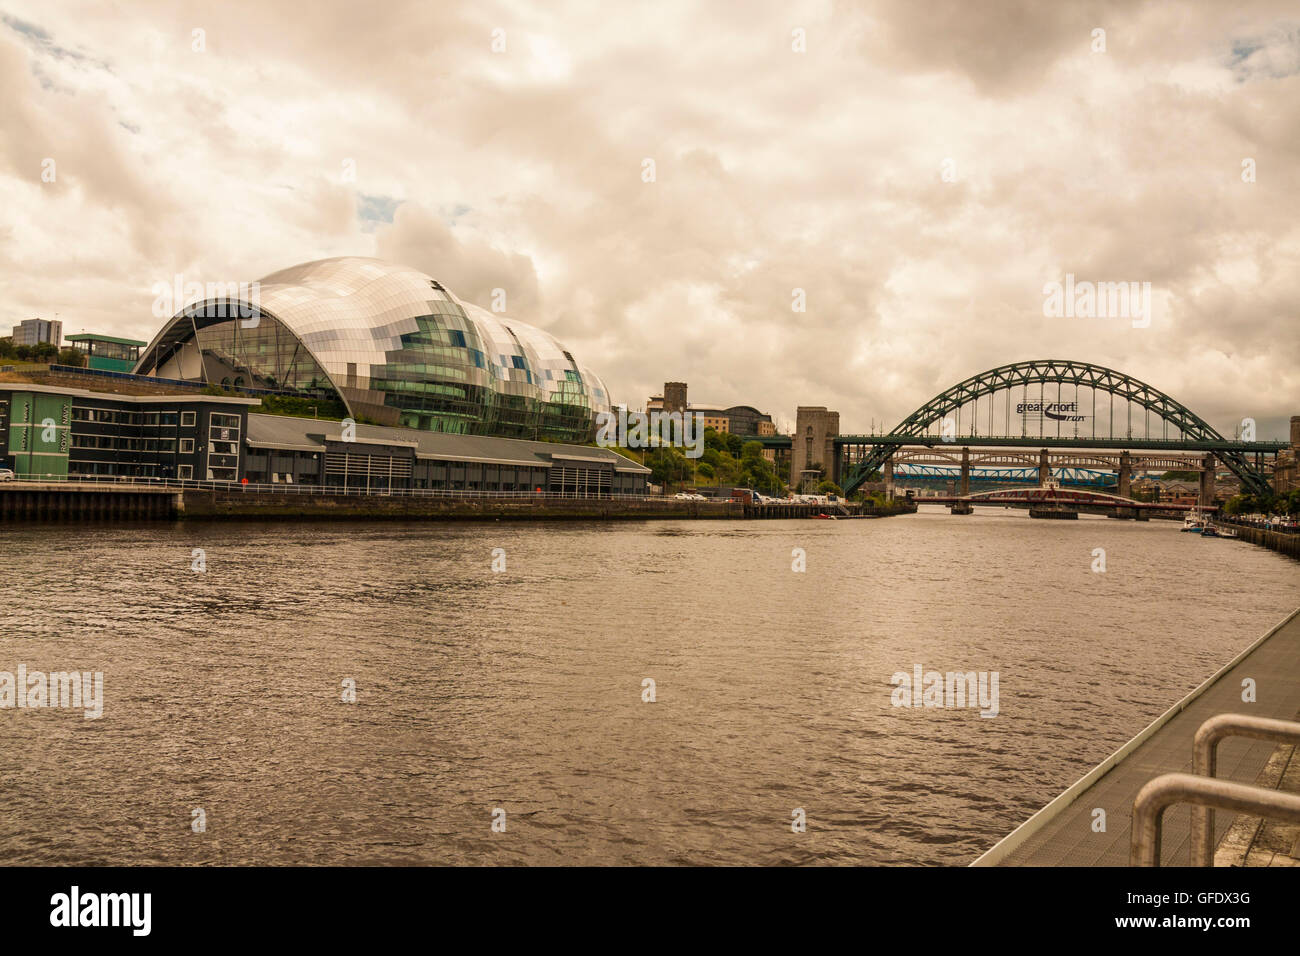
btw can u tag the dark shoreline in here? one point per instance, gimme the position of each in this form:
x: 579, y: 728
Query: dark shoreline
x: 115, y: 502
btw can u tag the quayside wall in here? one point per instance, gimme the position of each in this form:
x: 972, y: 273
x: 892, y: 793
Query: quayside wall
x: 52, y: 502
x: 1288, y: 544
x: 24, y: 501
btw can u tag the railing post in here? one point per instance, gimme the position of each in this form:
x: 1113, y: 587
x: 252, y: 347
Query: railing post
x: 1171, y: 788
x: 1205, y: 758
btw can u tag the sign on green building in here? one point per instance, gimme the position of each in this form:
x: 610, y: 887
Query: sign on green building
x: 40, y: 429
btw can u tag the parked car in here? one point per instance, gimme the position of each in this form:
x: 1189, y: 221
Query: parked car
x: 7, y: 474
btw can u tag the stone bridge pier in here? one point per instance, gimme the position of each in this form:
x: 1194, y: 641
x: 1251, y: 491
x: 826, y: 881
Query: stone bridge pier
x: 1044, y: 469
x: 1206, y: 497
x: 1125, y: 475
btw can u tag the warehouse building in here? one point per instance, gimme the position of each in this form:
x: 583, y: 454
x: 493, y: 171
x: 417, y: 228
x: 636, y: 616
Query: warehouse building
x: 53, y: 432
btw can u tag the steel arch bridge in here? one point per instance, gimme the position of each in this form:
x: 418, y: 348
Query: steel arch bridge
x: 1066, y: 476
x: 1196, y: 434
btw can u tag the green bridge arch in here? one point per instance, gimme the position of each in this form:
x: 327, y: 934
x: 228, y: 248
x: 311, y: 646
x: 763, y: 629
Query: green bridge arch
x: 1061, y: 372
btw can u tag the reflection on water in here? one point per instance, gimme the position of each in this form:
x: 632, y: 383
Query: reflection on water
x: 523, y: 689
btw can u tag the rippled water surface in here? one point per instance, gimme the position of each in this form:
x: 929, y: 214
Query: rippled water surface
x: 523, y: 690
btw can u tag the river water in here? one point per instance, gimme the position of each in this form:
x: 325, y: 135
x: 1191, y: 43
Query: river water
x: 522, y: 689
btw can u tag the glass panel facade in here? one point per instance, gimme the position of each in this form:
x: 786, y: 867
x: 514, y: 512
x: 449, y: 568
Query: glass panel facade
x: 268, y: 356
x: 396, y: 346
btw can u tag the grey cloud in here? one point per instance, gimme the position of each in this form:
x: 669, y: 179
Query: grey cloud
x: 774, y: 170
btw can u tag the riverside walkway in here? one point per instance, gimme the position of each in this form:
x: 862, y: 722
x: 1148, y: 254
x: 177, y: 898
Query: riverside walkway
x: 1061, y: 834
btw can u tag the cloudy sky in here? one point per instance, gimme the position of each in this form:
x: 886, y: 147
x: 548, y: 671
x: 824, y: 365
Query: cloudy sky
x: 919, y: 169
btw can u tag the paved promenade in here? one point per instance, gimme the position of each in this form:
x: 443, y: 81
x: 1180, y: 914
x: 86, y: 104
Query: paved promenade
x: 1061, y: 833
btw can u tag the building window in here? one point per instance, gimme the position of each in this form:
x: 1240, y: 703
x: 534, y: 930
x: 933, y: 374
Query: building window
x: 187, y: 419
x: 187, y: 446
x: 185, y: 472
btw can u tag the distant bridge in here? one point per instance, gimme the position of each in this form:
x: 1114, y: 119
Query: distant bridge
x: 1019, y: 476
x: 1064, y: 499
x: 972, y: 407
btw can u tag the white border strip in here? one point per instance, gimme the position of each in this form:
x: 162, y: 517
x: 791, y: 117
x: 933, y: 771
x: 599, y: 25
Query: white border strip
x: 1012, y: 841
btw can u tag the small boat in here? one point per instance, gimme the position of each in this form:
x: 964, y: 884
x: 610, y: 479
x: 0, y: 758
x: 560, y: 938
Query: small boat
x: 1209, y: 531
x: 1194, y: 522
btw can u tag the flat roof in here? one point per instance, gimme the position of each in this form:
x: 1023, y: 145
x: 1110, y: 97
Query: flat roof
x: 285, y: 431
x: 96, y: 337
x: 119, y: 397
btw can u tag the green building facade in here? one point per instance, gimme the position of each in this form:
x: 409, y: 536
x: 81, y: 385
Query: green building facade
x: 39, y: 430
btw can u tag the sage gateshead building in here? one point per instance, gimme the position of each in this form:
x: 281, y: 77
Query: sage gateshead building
x: 392, y: 345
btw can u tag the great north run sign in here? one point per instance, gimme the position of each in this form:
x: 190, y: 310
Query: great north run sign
x: 1055, y: 411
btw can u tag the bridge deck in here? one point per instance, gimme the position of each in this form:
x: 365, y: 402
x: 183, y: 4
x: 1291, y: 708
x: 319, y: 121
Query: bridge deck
x: 1061, y: 833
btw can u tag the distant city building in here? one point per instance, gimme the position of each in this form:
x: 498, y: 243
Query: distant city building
x: 1286, y: 476
x: 106, y: 352
x: 35, y: 331
x: 674, y: 398
x: 743, y: 420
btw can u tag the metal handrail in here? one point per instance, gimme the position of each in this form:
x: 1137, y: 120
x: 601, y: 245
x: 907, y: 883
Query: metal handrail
x: 1205, y: 760
x: 1164, y: 791
x: 139, y: 483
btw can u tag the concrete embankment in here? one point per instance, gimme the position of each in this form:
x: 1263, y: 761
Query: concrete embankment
x: 245, y: 505
x: 1064, y: 833
x: 1288, y: 544
x: 49, y: 501
x: 241, y: 504
x: 42, y: 502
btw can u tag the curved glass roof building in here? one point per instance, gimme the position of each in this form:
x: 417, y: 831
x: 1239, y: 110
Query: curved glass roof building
x: 392, y: 344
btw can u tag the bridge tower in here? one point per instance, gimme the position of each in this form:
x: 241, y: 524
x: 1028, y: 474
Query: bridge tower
x: 1125, y: 475
x: 1044, y: 469
x: 813, y: 443
x: 1207, y: 481
x: 965, y: 471
x: 888, y: 474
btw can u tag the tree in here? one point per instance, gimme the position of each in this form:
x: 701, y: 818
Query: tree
x: 73, y: 357
x: 667, y: 466
x: 829, y: 488
x: 1247, y: 504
